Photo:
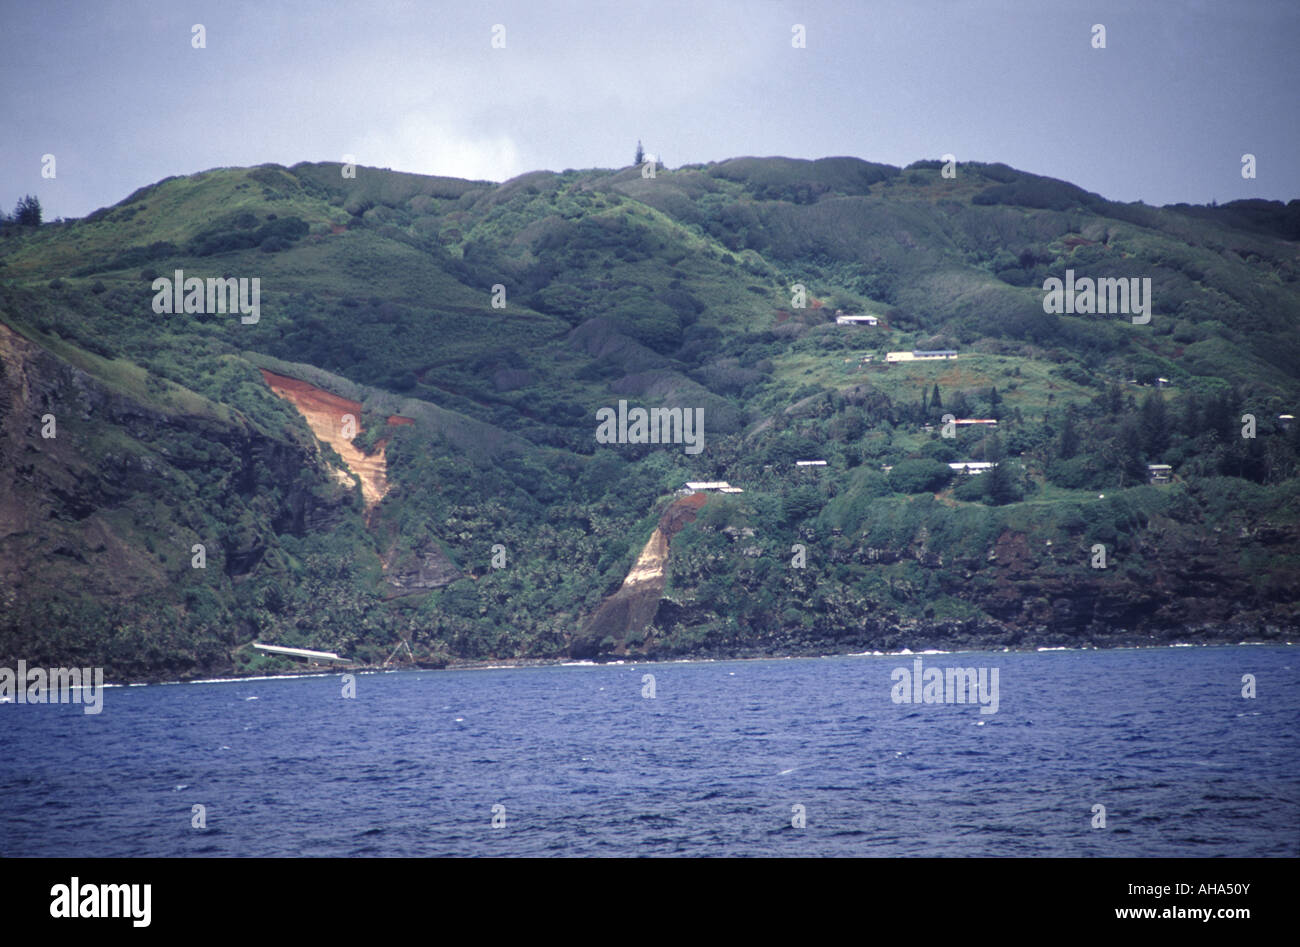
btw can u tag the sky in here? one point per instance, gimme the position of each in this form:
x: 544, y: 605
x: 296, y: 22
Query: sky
x: 120, y: 96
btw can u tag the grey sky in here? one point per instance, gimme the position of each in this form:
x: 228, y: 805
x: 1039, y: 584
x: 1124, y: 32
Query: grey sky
x: 1163, y: 114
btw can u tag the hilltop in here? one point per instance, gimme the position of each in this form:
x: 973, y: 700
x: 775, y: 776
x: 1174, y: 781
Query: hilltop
x: 472, y: 330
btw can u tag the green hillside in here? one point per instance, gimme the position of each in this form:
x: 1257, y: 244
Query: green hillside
x: 498, y: 318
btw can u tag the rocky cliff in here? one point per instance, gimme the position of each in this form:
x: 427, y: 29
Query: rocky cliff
x: 124, y: 498
x: 631, y: 610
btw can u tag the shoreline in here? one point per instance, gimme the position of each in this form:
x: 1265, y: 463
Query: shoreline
x: 505, y: 664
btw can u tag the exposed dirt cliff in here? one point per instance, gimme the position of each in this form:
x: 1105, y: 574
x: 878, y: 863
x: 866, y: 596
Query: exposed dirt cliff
x: 109, y: 478
x: 327, y: 415
x: 631, y: 610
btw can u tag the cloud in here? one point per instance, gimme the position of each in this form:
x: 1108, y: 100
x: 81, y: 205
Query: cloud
x: 426, y: 144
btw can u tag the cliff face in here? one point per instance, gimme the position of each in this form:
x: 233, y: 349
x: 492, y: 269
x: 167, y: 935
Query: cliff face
x: 327, y: 415
x: 631, y: 610
x: 110, y: 480
x: 421, y: 570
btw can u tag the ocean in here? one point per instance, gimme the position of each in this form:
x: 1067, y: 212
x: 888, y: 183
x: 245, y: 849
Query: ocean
x: 794, y: 757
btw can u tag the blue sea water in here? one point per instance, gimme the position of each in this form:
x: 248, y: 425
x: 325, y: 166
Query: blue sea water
x: 712, y: 765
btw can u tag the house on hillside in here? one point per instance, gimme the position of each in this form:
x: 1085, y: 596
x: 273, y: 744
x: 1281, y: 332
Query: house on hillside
x: 841, y: 319
x: 921, y: 355
x: 810, y: 463
x: 1285, y: 420
x: 1159, y: 473
x: 972, y: 468
x: 708, y: 486
x: 988, y: 422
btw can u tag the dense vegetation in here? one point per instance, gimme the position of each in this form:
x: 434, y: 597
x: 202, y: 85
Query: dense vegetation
x: 501, y: 317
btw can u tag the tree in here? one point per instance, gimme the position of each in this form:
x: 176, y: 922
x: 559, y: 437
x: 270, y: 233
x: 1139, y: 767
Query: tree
x: 998, y: 488
x: 1220, y: 416
x: 1069, y: 435
x: 935, y: 403
x: 1132, y: 464
x: 640, y: 153
x: 993, y: 448
x: 28, y: 211
x: 1114, y: 399
x: 1154, y: 424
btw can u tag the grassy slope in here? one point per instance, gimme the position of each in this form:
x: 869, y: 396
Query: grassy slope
x: 687, y: 277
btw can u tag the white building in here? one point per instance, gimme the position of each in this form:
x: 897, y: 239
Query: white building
x: 856, y: 320
x: 705, y: 486
x: 921, y: 355
x: 972, y: 467
x: 810, y: 463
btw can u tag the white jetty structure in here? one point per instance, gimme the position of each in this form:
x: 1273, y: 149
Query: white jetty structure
x: 310, y: 656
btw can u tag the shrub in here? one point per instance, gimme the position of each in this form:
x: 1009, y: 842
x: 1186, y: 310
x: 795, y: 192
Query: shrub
x: 274, y: 235
x: 940, y: 450
x: 212, y: 243
x: 1075, y: 474
x: 651, y: 323
x: 801, y: 503
x: 919, y: 476
x: 971, y: 489
x: 1041, y: 193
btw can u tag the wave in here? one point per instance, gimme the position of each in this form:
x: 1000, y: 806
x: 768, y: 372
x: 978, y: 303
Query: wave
x: 240, y: 680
